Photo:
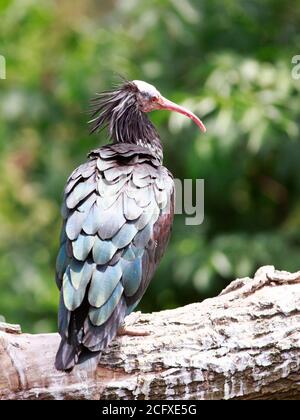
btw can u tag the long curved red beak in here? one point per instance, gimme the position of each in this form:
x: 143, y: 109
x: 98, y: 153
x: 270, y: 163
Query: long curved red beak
x: 164, y: 103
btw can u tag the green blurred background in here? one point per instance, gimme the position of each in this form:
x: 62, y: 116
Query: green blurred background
x: 229, y: 61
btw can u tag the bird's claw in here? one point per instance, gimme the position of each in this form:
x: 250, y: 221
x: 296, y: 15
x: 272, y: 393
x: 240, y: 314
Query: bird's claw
x: 134, y: 333
x: 130, y: 320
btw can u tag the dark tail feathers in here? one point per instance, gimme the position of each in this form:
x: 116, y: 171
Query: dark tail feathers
x: 68, y: 356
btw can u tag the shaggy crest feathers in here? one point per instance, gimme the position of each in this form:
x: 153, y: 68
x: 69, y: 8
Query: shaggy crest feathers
x: 118, y: 111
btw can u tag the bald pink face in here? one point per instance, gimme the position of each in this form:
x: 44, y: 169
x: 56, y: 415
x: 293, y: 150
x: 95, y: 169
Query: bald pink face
x: 150, y: 99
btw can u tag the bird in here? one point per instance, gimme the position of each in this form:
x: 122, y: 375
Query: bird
x: 117, y: 212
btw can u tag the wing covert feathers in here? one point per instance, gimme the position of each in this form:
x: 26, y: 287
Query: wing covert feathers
x: 117, y: 216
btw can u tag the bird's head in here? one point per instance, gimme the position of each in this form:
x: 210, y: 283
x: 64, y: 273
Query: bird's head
x: 124, y: 109
x: 149, y: 99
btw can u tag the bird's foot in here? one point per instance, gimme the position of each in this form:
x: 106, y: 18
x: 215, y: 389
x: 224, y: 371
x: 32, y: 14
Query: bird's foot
x: 127, y: 331
x: 130, y: 320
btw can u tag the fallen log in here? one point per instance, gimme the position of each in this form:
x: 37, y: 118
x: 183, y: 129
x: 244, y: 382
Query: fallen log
x: 242, y: 344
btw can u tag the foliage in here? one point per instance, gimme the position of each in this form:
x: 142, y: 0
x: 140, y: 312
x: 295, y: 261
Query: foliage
x: 228, y: 61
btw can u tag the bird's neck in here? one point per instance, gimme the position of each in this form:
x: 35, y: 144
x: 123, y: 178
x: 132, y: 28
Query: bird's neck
x: 135, y: 127
x: 119, y: 111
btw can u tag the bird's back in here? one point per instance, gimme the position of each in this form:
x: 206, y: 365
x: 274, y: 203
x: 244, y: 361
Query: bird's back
x: 117, y: 216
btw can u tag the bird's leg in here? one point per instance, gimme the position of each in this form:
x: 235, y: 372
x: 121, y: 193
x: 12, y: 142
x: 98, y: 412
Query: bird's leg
x: 127, y: 331
x: 131, y: 319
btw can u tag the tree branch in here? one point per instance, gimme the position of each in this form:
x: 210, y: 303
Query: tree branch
x: 243, y: 344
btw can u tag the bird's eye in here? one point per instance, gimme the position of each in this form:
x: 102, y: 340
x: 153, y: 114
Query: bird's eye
x: 154, y: 99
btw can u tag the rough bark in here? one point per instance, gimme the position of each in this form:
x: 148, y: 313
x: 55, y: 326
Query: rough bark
x: 243, y: 344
